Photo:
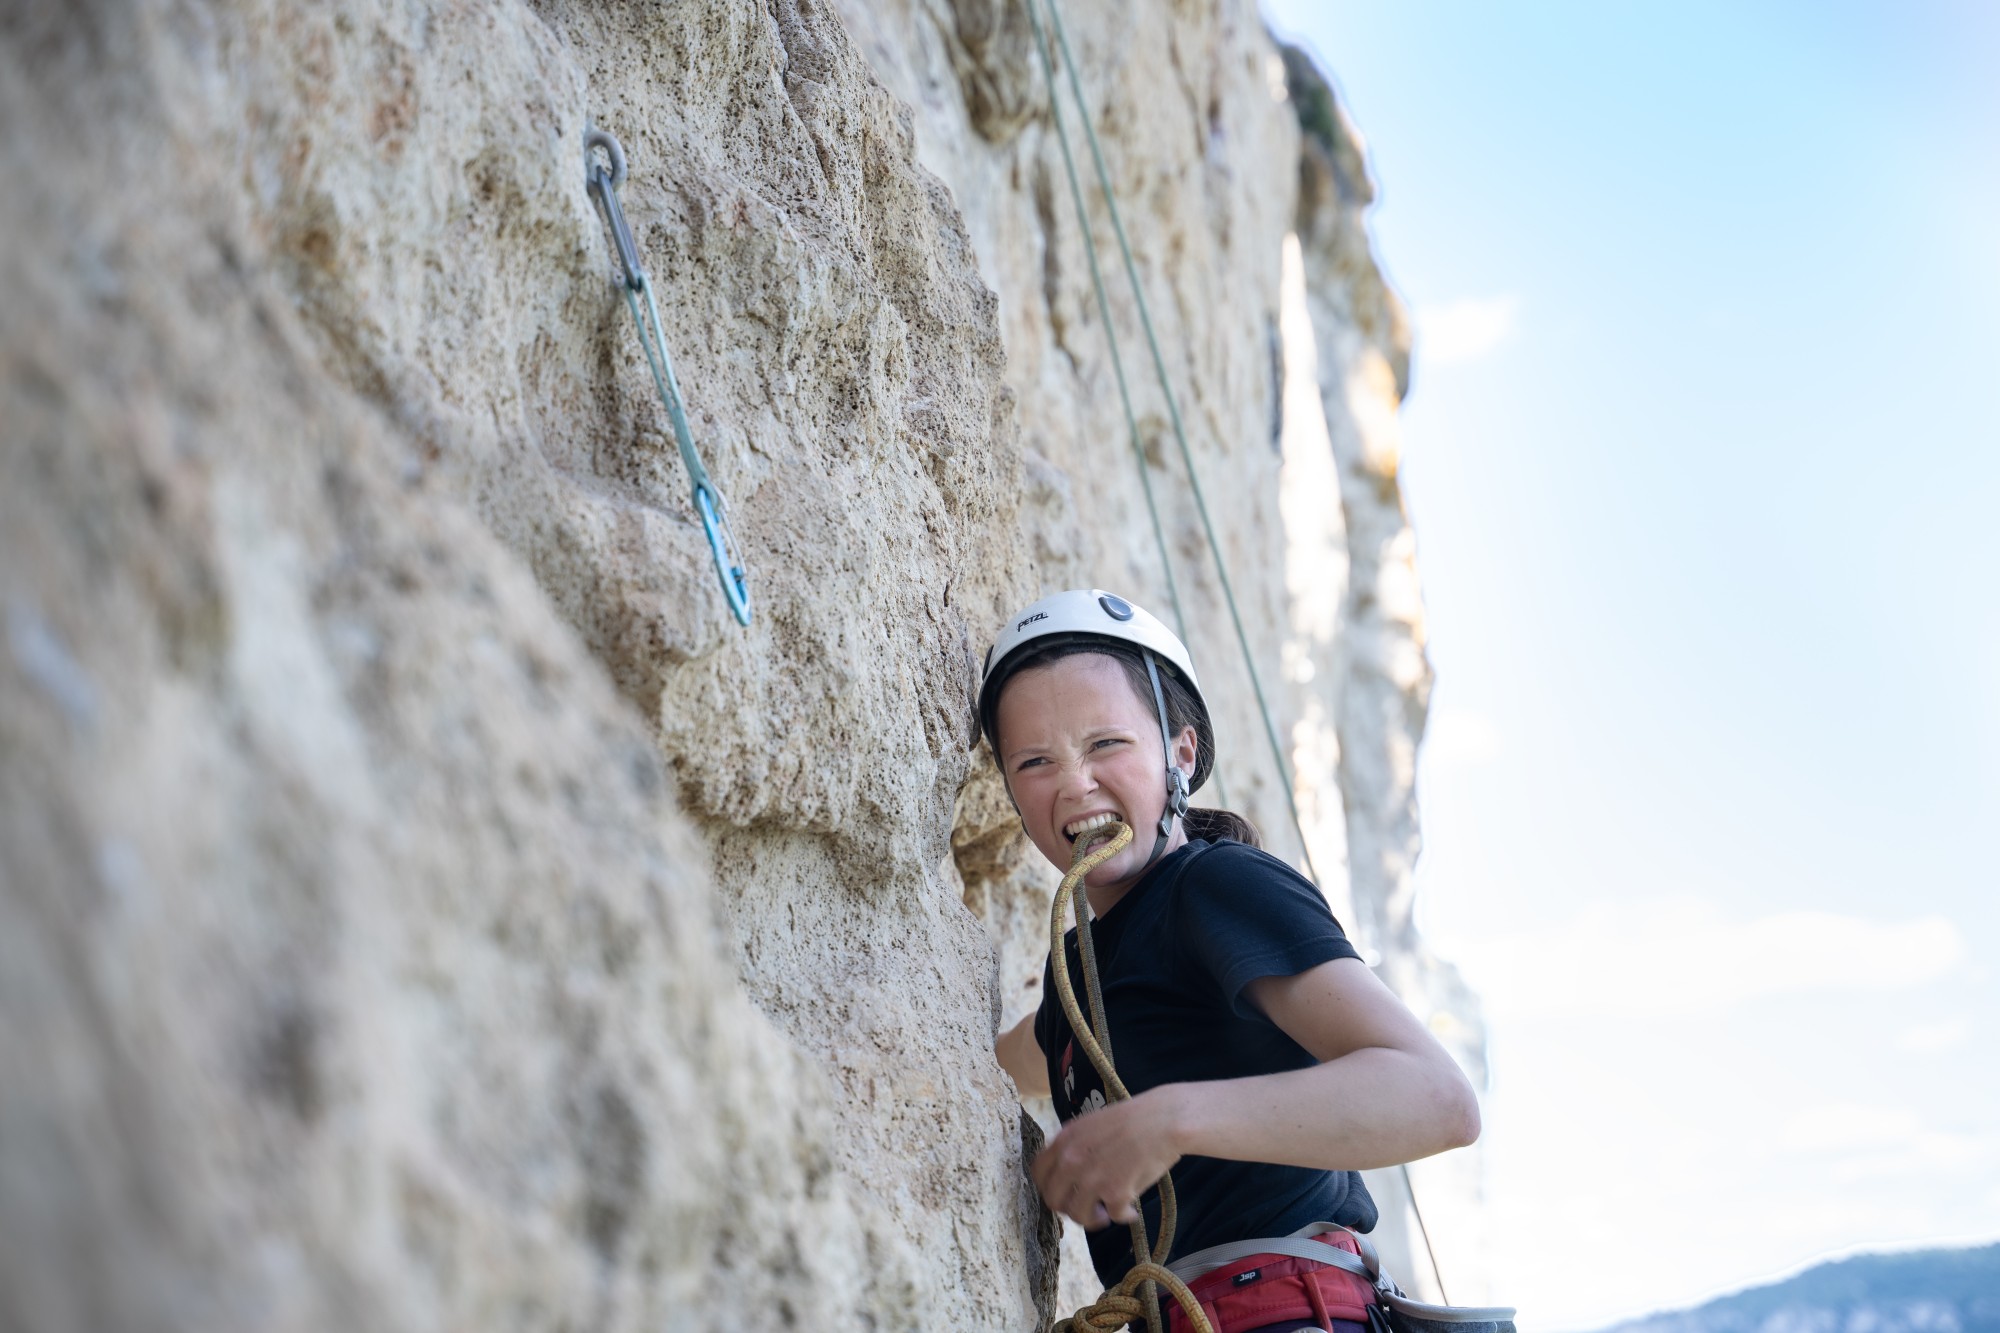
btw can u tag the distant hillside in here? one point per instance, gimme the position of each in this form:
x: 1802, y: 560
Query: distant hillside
x: 1919, y: 1291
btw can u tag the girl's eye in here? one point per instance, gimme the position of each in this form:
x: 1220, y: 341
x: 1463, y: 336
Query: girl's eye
x: 1108, y: 740
x: 1026, y: 764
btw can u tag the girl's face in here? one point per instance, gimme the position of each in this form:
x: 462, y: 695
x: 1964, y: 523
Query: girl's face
x: 1077, y: 741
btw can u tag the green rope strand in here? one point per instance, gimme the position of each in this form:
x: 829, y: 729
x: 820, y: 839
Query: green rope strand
x: 1173, y: 409
x: 1111, y: 338
x: 1110, y: 333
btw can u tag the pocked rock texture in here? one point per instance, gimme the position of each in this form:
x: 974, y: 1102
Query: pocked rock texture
x: 420, y: 904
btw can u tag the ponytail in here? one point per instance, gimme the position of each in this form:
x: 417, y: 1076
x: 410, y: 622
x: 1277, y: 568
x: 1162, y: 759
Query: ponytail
x: 1209, y: 824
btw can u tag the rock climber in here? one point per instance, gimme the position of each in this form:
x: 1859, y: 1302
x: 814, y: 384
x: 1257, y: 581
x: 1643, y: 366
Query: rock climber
x: 1268, y: 1065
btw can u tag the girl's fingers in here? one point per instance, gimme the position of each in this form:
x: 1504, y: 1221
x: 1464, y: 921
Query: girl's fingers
x: 1081, y: 1208
x: 1062, y: 1172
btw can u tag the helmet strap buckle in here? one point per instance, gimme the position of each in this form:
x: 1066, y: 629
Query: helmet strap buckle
x: 1177, y: 799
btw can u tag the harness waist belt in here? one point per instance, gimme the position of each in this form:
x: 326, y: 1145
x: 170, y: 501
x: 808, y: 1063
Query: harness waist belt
x: 1301, y: 1245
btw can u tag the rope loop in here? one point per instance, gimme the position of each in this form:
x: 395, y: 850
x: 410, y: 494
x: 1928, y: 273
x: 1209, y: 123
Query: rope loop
x: 602, y: 184
x: 1121, y: 1306
x: 1135, y: 1296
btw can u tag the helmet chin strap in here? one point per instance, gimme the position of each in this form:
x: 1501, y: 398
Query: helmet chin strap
x: 1177, y: 781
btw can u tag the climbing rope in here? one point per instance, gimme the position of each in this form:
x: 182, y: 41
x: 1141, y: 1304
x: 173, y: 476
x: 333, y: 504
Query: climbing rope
x: 602, y: 182
x: 1110, y: 331
x: 1117, y: 361
x: 1135, y: 1296
x: 1042, y: 50
x: 1180, y: 432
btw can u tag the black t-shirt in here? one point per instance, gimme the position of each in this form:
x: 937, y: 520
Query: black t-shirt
x: 1174, y: 955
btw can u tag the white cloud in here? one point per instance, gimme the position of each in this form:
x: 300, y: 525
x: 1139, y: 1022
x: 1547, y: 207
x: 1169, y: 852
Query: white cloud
x: 1934, y: 1038
x: 1461, y: 331
x: 1845, y: 1126
x: 1460, y: 738
x: 1860, y: 1142
x: 1674, y: 957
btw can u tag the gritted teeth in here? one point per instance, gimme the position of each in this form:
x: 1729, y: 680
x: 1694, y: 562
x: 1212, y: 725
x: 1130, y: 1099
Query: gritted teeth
x: 1076, y: 828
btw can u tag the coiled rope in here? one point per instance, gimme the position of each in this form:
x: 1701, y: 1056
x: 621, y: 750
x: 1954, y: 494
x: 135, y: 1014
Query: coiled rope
x: 1135, y: 1296
x: 1042, y: 50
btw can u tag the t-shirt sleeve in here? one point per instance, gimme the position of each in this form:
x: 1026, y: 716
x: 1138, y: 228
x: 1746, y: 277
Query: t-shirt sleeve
x: 1042, y: 1023
x: 1244, y: 914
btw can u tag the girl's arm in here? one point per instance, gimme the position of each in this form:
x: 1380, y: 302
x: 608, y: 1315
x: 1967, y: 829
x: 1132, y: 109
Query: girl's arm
x: 1021, y: 1056
x: 1384, y: 1092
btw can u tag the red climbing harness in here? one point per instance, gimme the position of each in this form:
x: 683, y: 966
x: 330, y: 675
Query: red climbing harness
x: 1322, y: 1276
x: 1263, y: 1288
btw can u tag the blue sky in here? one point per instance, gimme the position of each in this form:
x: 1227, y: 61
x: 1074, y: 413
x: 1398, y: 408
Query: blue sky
x: 1703, y: 452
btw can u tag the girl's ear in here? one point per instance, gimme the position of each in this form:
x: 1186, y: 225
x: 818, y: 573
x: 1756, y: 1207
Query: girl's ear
x: 1186, y: 752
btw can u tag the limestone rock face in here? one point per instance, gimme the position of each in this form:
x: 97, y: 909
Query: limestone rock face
x: 1204, y: 161
x: 421, y: 905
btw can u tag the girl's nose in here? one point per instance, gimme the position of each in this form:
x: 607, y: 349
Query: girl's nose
x: 1077, y: 777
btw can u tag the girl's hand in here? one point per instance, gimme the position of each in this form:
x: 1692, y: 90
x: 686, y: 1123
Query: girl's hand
x: 1097, y: 1165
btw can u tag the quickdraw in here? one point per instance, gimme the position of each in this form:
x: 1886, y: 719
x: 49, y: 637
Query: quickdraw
x: 602, y: 180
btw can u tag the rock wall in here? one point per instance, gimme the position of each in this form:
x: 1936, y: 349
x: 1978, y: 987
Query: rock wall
x: 420, y: 904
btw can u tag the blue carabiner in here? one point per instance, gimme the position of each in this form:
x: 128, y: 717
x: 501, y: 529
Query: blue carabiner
x: 602, y: 184
x: 728, y: 565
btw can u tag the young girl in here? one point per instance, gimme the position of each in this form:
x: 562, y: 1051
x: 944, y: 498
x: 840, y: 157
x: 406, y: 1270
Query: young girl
x: 1267, y: 1064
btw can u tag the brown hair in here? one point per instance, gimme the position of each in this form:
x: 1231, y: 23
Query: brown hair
x: 1204, y: 822
x: 1209, y: 823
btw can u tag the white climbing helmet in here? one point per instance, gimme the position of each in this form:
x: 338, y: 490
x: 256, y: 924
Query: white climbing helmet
x: 1087, y: 615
